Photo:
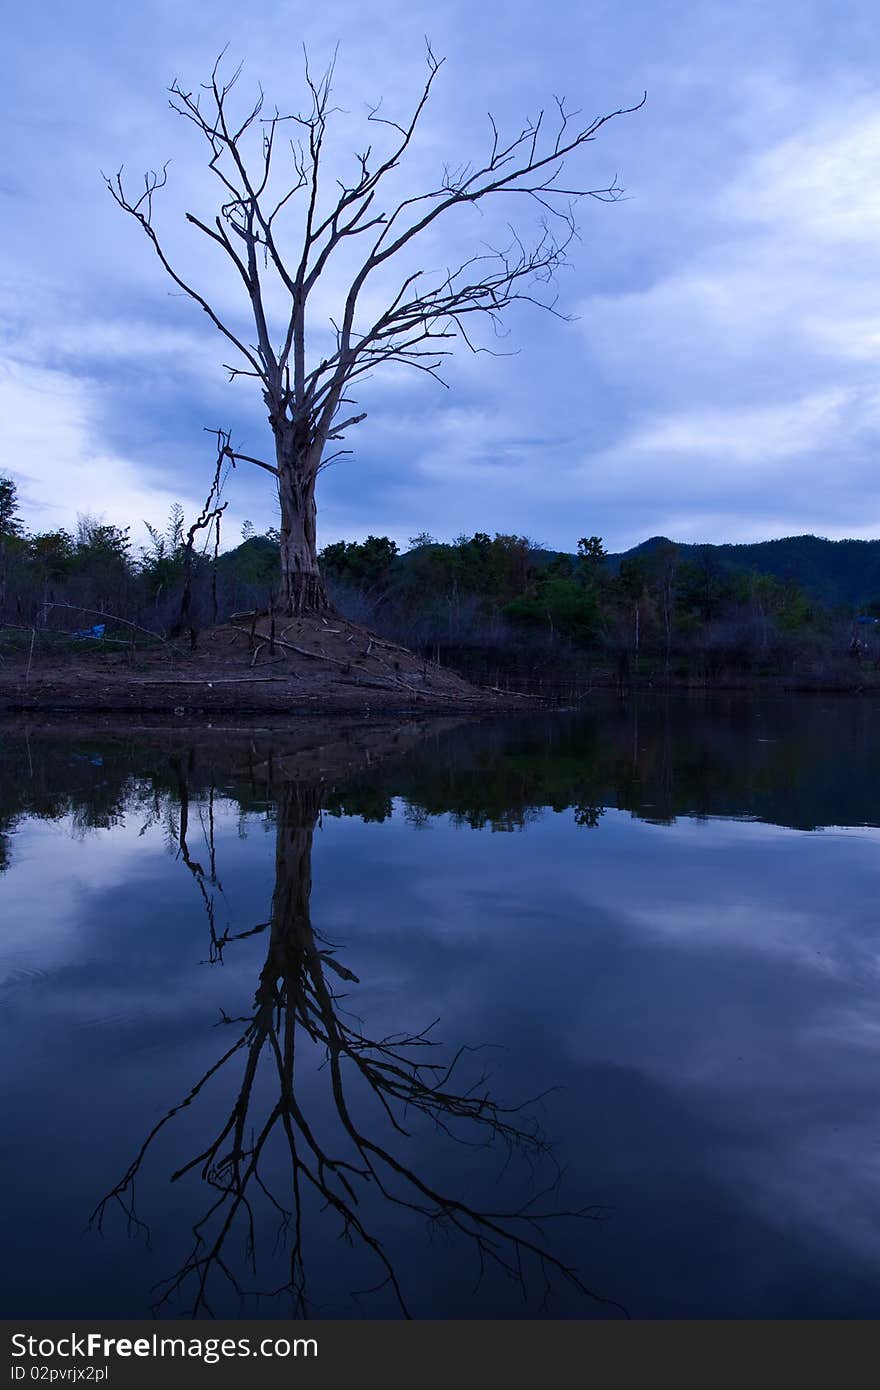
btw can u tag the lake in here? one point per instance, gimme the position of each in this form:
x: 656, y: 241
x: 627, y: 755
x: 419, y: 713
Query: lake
x: 571, y: 1015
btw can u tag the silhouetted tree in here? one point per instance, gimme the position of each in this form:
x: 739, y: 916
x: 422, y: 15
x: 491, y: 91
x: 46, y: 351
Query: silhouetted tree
x: 10, y: 528
x: 307, y: 390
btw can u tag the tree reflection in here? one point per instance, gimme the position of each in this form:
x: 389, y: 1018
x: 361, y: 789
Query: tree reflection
x: 380, y: 1088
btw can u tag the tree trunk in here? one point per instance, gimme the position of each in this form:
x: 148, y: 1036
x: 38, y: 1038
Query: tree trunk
x: 302, y: 588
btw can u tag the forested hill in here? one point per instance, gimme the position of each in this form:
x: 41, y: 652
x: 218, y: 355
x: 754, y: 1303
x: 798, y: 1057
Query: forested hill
x: 835, y: 572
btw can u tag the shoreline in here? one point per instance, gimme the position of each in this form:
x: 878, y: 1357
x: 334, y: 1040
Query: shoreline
x: 210, y: 696
x: 346, y: 672
x: 201, y: 702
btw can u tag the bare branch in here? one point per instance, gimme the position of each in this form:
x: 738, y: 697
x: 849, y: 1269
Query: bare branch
x: 142, y: 211
x: 303, y: 392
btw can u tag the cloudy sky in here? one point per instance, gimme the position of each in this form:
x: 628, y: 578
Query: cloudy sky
x: 719, y: 380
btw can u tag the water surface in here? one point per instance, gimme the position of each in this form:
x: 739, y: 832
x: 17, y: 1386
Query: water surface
x: 645, y: 935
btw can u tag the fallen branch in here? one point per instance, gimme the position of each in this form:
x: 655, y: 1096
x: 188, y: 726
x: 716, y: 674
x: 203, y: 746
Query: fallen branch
x: 302, y: 651
x: 221, y: 680
x: 517, y: 694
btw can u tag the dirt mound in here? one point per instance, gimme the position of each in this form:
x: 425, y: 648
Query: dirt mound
x: 250, y: 664
x: 335, y: 654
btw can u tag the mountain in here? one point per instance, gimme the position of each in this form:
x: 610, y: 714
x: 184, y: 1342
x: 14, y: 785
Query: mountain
x: 838, y: 573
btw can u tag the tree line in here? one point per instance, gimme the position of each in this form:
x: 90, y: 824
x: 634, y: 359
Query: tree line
x: 177, y: 584
x: 665, y: 613
x: 480, y: 602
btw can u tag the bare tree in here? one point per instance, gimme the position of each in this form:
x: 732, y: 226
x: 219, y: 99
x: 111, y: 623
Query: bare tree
x: 308, y: 396
x: 209, y: 519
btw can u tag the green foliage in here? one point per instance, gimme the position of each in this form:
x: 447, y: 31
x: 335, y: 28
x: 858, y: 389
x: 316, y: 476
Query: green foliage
x: 591, y: 557
x: 162, y: 561
x: 100, y: 543
x: 254, y: 562
x: 562, y: 567
x: 783, y: 600
x: 560, y: 604
x: 494, y: 568
x: 591, y: 548
x: 363, y: 563
x: 52, y: 553
x: 702, y: 586
x: 10, y: 523
x: 633, y: 576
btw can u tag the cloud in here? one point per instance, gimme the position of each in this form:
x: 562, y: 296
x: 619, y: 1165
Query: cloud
x: 729, y: 317
x: 61, y: 464
x: 755, y: 359
x: 749, y: 438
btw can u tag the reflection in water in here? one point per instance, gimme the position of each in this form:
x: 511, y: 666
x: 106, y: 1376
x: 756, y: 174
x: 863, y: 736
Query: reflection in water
x: 632, y: 901
x: 298, y: 1008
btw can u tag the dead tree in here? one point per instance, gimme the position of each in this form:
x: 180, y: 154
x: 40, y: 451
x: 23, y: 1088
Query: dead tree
x: 207, y: 520
x: 307, y: 390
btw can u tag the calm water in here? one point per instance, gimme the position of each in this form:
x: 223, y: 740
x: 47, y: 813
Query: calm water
x: 475, y: 1021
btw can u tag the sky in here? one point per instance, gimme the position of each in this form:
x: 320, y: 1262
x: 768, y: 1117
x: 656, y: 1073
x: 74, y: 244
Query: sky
x: 716, y: 377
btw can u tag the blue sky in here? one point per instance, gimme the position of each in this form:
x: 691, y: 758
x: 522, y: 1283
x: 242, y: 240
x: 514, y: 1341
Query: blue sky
x: 719, y: 383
